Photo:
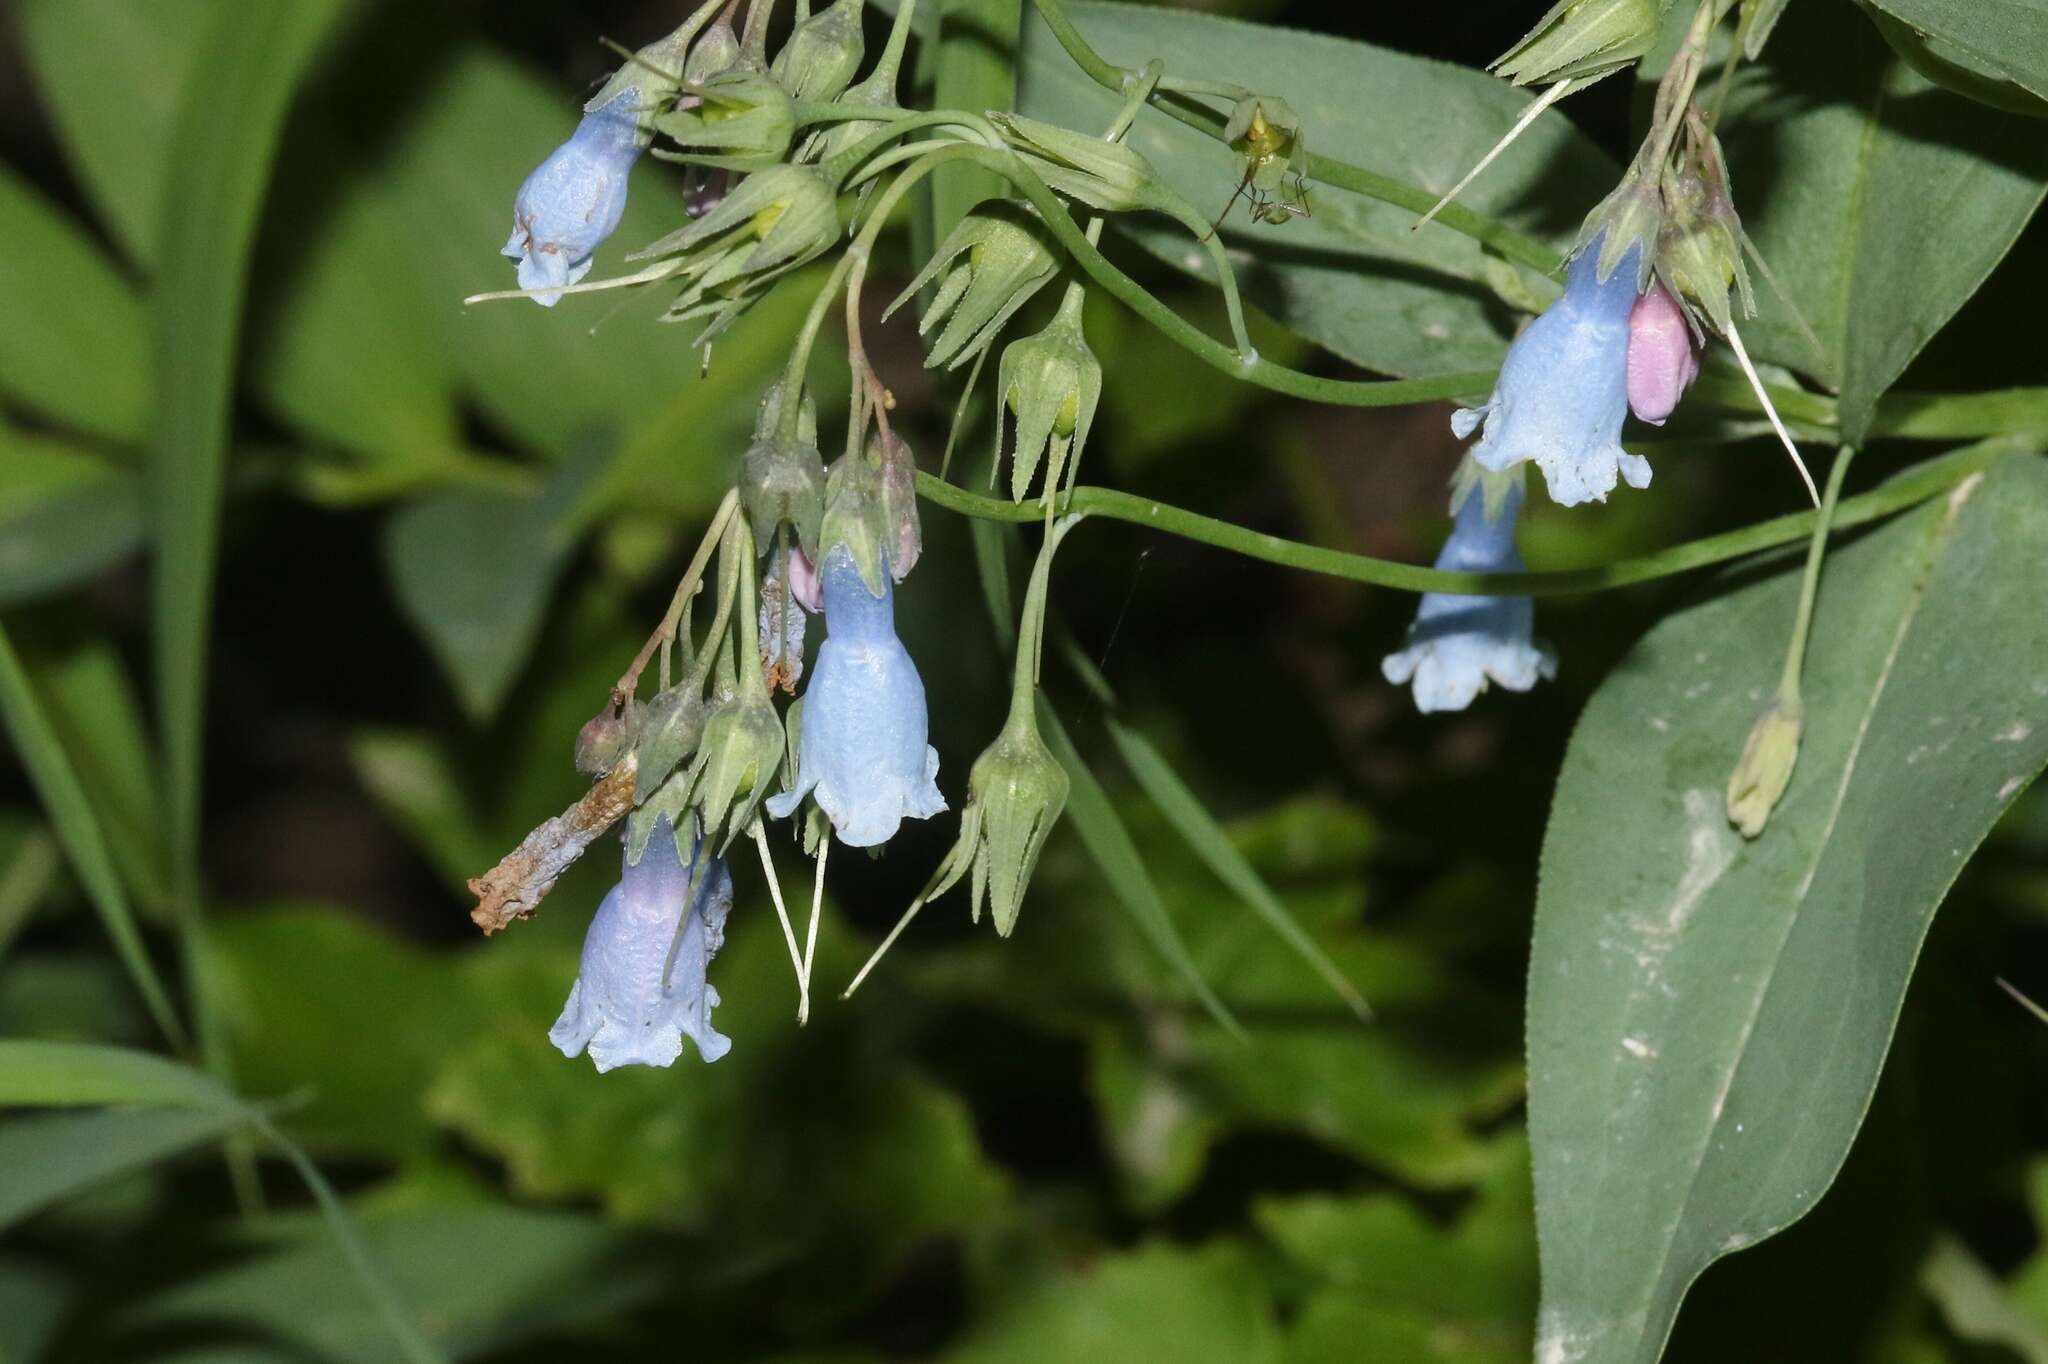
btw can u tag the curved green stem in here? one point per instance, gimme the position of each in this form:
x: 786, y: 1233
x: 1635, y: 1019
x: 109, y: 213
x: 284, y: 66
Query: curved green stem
x: 1914, y: 486
x: 1031, y: 626
x: 1809, y: 586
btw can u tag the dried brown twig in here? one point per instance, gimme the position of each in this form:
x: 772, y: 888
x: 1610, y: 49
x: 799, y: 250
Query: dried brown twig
x: 513, y: 889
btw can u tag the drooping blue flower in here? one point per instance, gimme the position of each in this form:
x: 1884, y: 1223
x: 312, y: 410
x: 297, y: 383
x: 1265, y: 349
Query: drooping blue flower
x: 632, y: 1003
x: 1563, y: 390
x: 861, y: 750
x: 1458, y: 644
x: 573, y: 200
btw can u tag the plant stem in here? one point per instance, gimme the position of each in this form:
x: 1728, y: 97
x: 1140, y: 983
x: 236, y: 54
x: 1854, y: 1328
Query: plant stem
x: 1910, y: 488
x: 1809, y: 587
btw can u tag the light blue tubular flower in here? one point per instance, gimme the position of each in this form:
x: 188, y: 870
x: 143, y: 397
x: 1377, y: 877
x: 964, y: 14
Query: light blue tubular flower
x: 1563, y: 391
x: 640, y: 987
x: 861, y: 749
x: 1458, y: 644
x: 573, y: 200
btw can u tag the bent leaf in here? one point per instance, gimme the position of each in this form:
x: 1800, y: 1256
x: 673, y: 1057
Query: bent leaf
x: 1707, y: 1016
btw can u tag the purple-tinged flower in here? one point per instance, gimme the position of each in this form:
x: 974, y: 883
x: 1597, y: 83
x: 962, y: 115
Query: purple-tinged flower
x: 1661, y: 360
x: 1457, y: 643
x: 1563, y: 391
x: 641, y: 985
x: 861, y: 750
x: 573, y: 200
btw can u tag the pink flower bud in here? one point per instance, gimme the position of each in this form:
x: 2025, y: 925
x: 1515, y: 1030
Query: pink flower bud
x: 1661, y: 361
x: 803, y: 581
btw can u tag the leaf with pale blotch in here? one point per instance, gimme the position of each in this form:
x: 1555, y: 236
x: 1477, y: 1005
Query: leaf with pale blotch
x: 1707, y: 1016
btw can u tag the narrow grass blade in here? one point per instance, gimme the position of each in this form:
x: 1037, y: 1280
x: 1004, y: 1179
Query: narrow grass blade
x: 78, y: 831
x: 1095, y: 819
x: 1208, y: 840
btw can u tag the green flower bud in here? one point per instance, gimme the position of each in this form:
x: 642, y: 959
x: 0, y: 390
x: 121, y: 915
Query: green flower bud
x: 877, y: 92
x: 1583, y: 40
x: 1699, y: 249
x: 782, y: 478
x: 1765, y: 769
x: 822, y: 54
x: 1052, y: 382
x: 745, y: 122
x: 987, y: 268
x: 856, y: 518
x: 669, y: 729
x: 741, y: 756
x: 1104, y: 175
x: 717, y: 52
x: 605, y: 738
x: 1015, y: 795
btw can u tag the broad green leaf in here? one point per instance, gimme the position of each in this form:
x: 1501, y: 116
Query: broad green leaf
x: 344, y: 341
x: 1880, y: 201
x: 1352, y: 276
x: 1384, y: 1269
x: 1953, y: 68
x: 319, y: 998
x: 73, y: 342
x: 1101, y: 830
x: 480, y: 1277
x: 973, y: 56
x: 1707, y: 1017
x: 473, y: 572
x: 65, y: 515
x: 51, y: 1156
x: 1159, y: 1302
x: 1403, y: 1095
x: 34, y: 1298
x: 1209, y: 842
x: 225, y: 133
x: 78, y: 829
x: 1975, y: 1304
x: 81, y: 50
x: 2005, y: 39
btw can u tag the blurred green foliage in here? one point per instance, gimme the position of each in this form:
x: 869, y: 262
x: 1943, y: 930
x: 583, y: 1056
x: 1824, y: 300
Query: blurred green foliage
x: 447, y: 530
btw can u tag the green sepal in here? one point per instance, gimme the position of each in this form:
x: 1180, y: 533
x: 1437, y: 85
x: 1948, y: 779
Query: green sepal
x: 1104, y: 175
x: 746, y: 122
x: 997, y: 258
x: 1583, y: 40
x: 822, y: 54
x: 1052, y: 382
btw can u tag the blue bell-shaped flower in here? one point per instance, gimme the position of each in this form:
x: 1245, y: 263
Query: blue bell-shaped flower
x: 573, y: 200
x: 1563, y: 390
x: 1458, y: 644
x: 641, y: 986
x: 861, y: 750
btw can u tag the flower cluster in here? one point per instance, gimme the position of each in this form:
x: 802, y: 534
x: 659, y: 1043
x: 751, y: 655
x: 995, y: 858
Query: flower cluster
x: 793, y: 154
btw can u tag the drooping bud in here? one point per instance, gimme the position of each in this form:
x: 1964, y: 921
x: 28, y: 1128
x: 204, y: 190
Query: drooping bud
x: 1661, y: 360
x: 905, y: 537
x: 745, y: 122
x: 862, y: 752
x: 988, y: 267
x: 738, y: 761
x: 1105, y: 175
x: 641, y: 983
x: 782, y: 477
x: 823, y: 53
x: 574, y: 200
x: 605, y: 738
x: 1583, y: 40
x: 1052, y: 382
x: 1765, y: 768
x: 1015, y: 795
x: 1699, y: 250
